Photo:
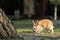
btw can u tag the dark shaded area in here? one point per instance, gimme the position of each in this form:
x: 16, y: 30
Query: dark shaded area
x: 10, y: 5
x: 7, y: 5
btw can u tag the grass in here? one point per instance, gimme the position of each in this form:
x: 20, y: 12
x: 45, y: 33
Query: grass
x: 23, y: 25
x: 26, y: 26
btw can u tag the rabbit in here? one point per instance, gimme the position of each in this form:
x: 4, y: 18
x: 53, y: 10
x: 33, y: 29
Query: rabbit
x: 39, y: 26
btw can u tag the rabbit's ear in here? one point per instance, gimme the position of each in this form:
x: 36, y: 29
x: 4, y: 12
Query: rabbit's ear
x: 37, y: 22
x: 33, y: 22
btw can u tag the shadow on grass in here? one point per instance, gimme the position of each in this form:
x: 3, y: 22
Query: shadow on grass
x: 41, y: 37
x: 49, y: 37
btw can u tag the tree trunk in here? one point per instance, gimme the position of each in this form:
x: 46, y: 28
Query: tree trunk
x: 55, y: 13
x: 28, y: 7
x: 7, y: 28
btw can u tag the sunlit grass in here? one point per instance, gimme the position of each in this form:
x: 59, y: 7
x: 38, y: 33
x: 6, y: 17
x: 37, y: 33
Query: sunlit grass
x: 24, y: 30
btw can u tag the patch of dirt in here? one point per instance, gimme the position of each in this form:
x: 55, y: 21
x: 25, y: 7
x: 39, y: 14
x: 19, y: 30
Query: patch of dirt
x: 40, y: 36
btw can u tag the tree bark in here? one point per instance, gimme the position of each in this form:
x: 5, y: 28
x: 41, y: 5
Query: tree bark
x: 7, y: 28
x: 55, y: 13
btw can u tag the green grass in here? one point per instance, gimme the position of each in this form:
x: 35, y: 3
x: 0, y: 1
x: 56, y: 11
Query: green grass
x: 26, y: 26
